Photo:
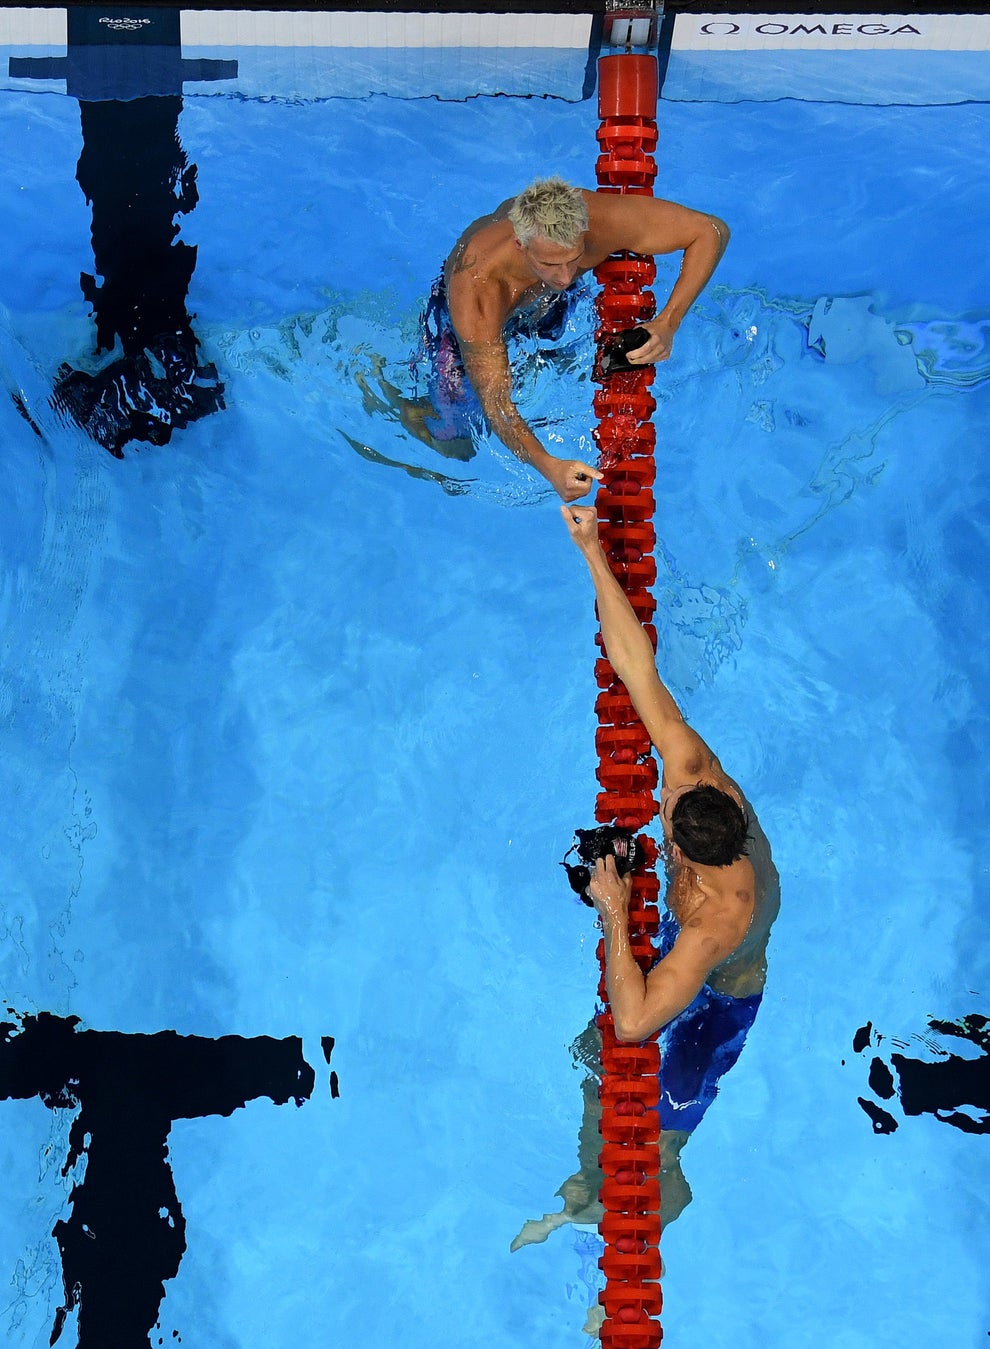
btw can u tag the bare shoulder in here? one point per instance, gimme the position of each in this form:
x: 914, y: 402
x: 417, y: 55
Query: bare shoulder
x: 713, y: 899
x: 479, y: 293
x: 476, y: 254
x: 476, y: 227
x: 645, y: 224
x: 715, y: 928
x: 727, y: 913
x: 740, y: 881
x: 687, y: 758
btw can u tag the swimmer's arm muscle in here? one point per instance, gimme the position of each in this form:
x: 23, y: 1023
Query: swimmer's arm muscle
x: 630, y: 653
x: 642, y: 1004
x: 477, y: 320
x: 657, y: 226
x: 477, y: 313
x: 487, y: 366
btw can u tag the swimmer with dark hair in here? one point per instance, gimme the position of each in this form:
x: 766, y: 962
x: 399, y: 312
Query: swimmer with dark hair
x: 715, y: 895
x: 723, y: 894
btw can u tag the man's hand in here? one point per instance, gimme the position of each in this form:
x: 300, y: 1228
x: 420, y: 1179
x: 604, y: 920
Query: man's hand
x: 661, y: 332
x: 582, y: 524
x: 569, y: 478
x: 610, y: 891
x: 487, y: 366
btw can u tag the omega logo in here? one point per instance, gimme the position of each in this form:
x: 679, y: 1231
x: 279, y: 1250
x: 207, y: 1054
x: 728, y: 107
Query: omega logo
x: 722, y: 29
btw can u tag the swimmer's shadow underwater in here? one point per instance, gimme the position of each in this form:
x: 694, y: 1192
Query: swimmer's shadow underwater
x: 413, y: 414
x: 452, y: 486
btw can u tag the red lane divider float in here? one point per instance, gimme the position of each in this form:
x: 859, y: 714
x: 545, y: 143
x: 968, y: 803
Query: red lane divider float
x: 627, y: 772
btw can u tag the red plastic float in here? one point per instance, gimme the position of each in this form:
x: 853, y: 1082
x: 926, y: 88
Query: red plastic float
x: 626, y: 439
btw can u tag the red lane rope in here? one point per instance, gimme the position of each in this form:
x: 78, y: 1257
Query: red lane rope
x: 627, y: 771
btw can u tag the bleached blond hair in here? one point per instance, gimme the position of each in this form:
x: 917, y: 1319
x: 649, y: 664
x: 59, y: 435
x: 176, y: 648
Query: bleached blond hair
x: 552, y: 209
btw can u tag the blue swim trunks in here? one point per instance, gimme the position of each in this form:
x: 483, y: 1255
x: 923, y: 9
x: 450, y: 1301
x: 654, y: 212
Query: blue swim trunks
x: 698, y: 1048
x: 449, y: 389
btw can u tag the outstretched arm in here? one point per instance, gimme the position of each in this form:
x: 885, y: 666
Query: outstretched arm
x: 487, y: 366
x: 685, y: 755
x: 654, y: 226
x: 643, y: 1003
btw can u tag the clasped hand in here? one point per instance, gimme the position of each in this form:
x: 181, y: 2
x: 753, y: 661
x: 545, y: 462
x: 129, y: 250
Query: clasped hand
x: 582, y: 523
x: 571, y: 479
x: 657, y: 348
x: 610, y: 891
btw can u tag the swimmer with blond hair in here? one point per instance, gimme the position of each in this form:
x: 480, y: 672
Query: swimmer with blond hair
x: 522, y: 259
x: 551, y: 208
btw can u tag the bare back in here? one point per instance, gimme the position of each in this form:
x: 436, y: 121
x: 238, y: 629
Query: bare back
x: 730, y: 907
x: 733, y: 906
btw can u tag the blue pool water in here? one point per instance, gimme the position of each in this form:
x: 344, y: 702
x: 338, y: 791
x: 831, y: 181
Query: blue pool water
x: 298, y: 721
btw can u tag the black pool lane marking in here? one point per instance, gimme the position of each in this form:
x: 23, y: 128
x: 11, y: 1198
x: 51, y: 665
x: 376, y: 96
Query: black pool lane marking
x: 955, y: 1089
x: 125, y: 1235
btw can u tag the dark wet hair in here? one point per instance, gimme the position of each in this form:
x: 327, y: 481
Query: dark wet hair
x: 709, y: 826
